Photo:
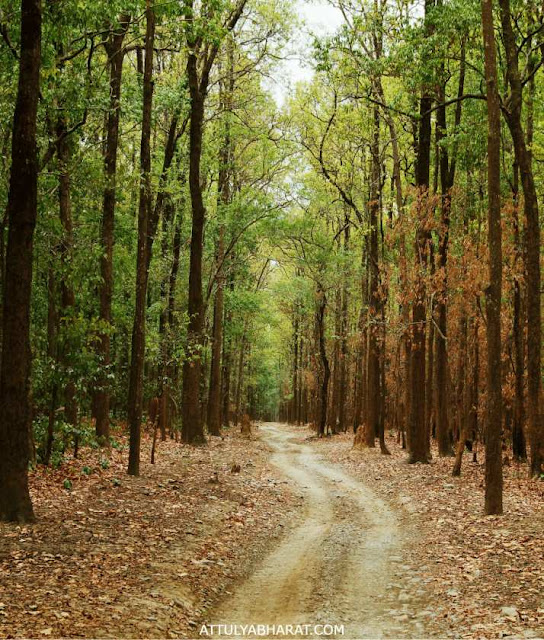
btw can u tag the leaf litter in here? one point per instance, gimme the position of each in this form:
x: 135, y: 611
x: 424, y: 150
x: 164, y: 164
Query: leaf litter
x: 484, y: 575
x: 117, y: 556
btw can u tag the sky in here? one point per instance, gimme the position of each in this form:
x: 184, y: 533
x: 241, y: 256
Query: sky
x: 321, y: 19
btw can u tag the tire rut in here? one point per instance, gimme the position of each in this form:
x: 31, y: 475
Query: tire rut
x: 341, y: 565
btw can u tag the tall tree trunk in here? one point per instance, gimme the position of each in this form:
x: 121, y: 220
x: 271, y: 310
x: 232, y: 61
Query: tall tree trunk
x: 417, y: 431
x: 447, y: 177
x: 224, y: 199
x: 534, y: 322
x: 15, y: 405
x: 192, y: 427
x: 214, y: 395
x: 164, y: 379
x: 324, y: 361
x: 67, y: 293
x: 164, y: 205
x: 374, y: 312
x: 518, y: 435
x: 226, y: 373
x: 52, y: 332
x: 493, y: 461
x: 332, y: 420
x: 135, y: 394
x: 344, y: 339
x: 240, y: 379
x: 101, y: 395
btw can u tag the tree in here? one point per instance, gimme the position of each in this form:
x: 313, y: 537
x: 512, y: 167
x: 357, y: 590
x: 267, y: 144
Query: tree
x: 15, y: 407
x: 116, y: 53
x: 224, y: 197
x: 417, y: 431
x: 200, y: 60
x: 135, y: 394
x: 530, y: 202
x: 493, y: 461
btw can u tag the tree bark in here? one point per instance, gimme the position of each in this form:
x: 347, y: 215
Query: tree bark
x: 373, y: 389
x: 417, y: 430
x: 192, y: 427
x: 101, y: 395
x: 493, y: 461
x: 214, y: 395
x: 224, y: 199
x: 15, y: 405
x: 68, y: 300
x: 325, y: 367
x: 135, y: 394
x: 343, y: 340
x: 532, y: 259
x: 447, y: 178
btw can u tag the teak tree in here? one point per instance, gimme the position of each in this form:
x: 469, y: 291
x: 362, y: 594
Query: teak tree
x: 201, y: 56
x: 15, y: 404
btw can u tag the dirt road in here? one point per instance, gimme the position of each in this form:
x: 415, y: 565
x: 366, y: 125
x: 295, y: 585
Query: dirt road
x: 341, y: 565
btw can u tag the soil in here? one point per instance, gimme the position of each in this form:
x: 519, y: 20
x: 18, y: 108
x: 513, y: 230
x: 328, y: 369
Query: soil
x: 342, y: 564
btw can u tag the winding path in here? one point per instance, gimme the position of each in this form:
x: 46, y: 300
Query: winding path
x: 341, y: 565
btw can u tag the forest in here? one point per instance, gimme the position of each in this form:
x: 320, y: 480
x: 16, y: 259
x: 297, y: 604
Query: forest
x: 208, y: 269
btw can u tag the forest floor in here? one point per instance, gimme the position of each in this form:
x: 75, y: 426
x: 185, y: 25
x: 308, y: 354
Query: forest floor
x: 122, y: 557
x: 480, y: 576
x: 309, y: 531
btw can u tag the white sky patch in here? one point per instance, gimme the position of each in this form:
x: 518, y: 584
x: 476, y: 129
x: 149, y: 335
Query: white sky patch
x: 319, y: 19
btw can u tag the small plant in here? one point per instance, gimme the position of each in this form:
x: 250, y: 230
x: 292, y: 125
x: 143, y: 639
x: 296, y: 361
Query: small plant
x: 87, y: 470
x: 67, y: 484
x: 104, y: 463
x: 116, y: 482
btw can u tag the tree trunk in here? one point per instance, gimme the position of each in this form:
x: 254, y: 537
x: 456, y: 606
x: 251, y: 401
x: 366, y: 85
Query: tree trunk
x: 214, y: 395
x: 344, y: 340
x: 493, y: 461
x: 532, y: 254
x: 240, y: 379
x: 191, y: 409
x: 67, y: 292
x: 15, y: 405
x: 325, y: 367
x: 447, y: 177
x: 518, y: 435
x: 224, y: 199
x: 135, y: 394
x: 417, y: 431
x: 373, y: 364
x: 101, y: 395
x: 52, y: 331
x: 332, y: 420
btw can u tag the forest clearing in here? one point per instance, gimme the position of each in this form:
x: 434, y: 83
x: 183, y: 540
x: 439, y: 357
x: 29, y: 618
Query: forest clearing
x: 271, y: 318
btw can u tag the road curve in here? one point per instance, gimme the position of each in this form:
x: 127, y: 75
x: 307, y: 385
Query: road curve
x: 341, y: 565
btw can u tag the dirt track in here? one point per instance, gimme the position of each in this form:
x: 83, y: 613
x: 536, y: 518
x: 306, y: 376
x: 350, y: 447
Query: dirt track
x: 342, y: 564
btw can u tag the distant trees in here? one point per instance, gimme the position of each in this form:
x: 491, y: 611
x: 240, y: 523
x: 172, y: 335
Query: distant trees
x: 413, y: 176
